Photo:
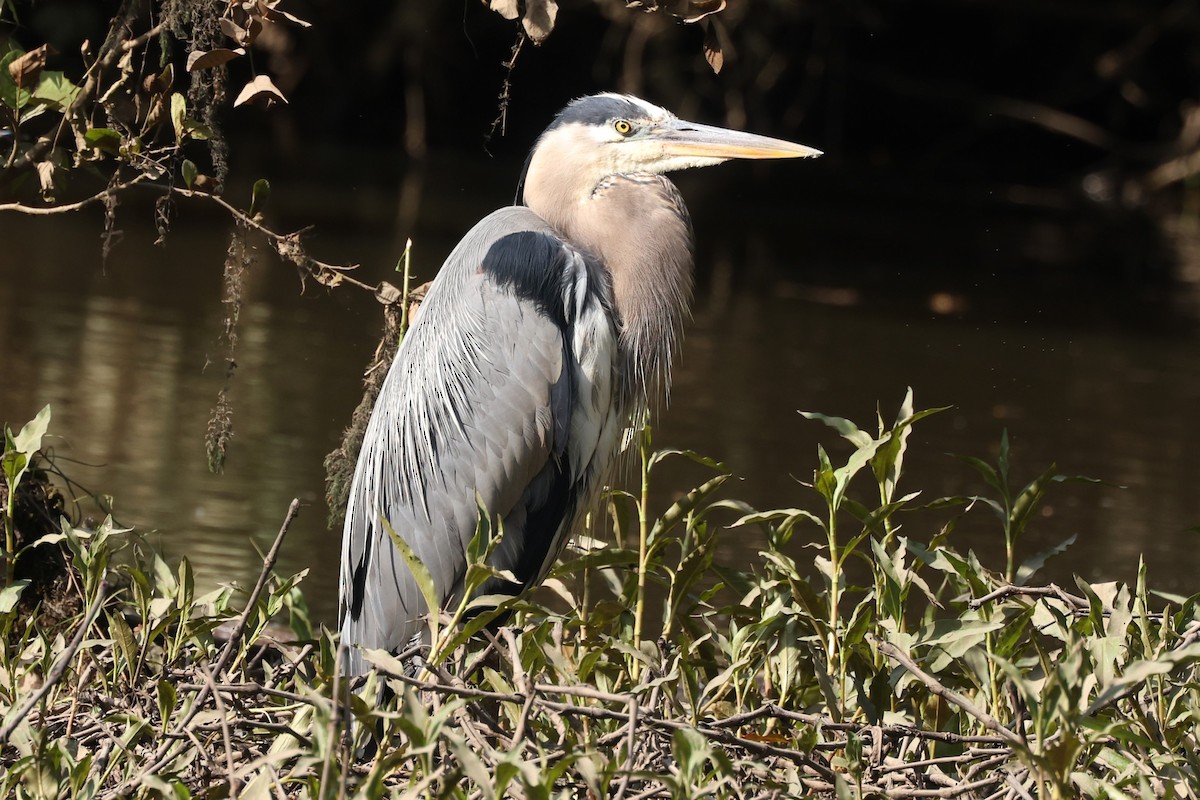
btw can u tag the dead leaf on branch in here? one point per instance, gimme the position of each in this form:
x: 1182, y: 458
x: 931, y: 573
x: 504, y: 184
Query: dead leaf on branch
x: 45, y: 172
x: 509, y: 9
x: 242, y: 35
x: 715, y: 41
x: 696, y: 10
x: 269, y: 11
x: 26, y: 69
x: 261, y: 85
x: 689, y: 11
x: 201, y: 59
x: 161, y: 83
x: 539, y: 19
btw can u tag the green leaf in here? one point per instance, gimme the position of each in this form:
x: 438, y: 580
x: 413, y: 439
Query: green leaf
x: 1031, y: 565
x: 19, y: 449
x: 14, y: 463
x: 178, y: 114
x: 123, y: 638
x: 847, y: 429
x: 988, y: 472
x: 105, y: 139
x: 424, y: 579
x: 11, y: 595
x: 55, y: 89
x: 684, y: 506
x: 167, y: 699
x: 943, y: 632
x: 259, y: 195
x: 691, y: 455
x: 888, y: 461
x: 189, y: 171
x: 11, y: 95
x: 29, y: 440
x: 789, y: 517
x: 859, y: 459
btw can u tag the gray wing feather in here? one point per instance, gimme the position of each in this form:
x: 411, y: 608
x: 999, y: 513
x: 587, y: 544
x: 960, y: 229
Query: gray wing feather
x: 488, y: 394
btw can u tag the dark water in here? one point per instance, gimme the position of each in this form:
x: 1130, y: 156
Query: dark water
x: 1032, y: 320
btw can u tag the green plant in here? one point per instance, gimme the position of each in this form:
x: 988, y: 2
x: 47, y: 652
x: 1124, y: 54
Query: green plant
x: 18, y: 453
x: 932, y: 676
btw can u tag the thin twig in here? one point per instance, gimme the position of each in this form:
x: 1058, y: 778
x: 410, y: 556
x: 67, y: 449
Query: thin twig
x: 264, y: 575
x: 1033, y: 591
x: 951, y: 696
x: 284, y: 243
x: 163, y: 755
x: 226, y: 737
x: 70, y: 207
x: 948, y: 791
x: 332, y: 739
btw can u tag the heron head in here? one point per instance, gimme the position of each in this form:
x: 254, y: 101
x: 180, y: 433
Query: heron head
x: 611, y: 134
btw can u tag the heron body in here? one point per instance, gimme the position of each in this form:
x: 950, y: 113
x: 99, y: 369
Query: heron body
x: 547, y: 326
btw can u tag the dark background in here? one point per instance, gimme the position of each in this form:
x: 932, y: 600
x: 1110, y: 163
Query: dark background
x: 1019, y: 92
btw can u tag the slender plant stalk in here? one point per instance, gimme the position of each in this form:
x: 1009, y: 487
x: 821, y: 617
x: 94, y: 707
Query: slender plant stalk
x: 10, y: 538
x: 585, y: 579
x: 832, y: 651
x: 406, y: 282
x: 643, y: 551
x: 1009, y: 572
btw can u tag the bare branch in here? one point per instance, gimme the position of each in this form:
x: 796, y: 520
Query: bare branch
x: 988, y: 721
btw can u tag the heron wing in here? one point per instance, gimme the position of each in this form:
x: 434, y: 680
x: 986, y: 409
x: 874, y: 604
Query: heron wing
x: 503, y: 392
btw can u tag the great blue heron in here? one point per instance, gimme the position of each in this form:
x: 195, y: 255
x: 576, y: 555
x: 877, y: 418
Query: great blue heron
x: 549, y: 324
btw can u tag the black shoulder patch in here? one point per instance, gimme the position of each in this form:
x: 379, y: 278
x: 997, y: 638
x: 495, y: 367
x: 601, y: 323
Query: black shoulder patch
x: 534, y: 266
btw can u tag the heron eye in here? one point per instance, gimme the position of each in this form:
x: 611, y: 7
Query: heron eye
x: 623, y: 127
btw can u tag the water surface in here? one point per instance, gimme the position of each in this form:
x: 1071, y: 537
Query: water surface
x: 1020, y: 318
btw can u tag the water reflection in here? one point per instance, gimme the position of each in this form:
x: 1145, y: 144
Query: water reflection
x: 121, y: 353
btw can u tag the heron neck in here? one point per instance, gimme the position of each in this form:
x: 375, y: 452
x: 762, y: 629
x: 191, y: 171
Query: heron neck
x: 639, y: 228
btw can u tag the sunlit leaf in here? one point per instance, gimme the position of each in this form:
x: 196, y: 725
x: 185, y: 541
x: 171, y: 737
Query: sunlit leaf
x: 188, y: 169
x: 421, y: 574
x: 714, y: 45
x: 261, y: 85
x: 11, y: 595
x: 259, y: 195
x: 539, y: 19
x: 1031, y: 565
x: 178, y: 112
x: 847, y: 429
x: 205, y: 59
x: 105, y: 139
x: 509, y: 9
x: 29, y: 440
x: 55, y: 89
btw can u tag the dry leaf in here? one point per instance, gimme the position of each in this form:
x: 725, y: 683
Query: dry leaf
x: 201, y: 59
x: 45, y: 173
x: 387, y: 293
x: 539, y: 19
x: 713, y: 37
x: 26, y: 69
x: 161, y: 83
x: 260, y: 85
x: 505, y: 8
x: 233, y: 30
x: 275, y: 15
x: 327, y: 277
x: 692, y: 10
